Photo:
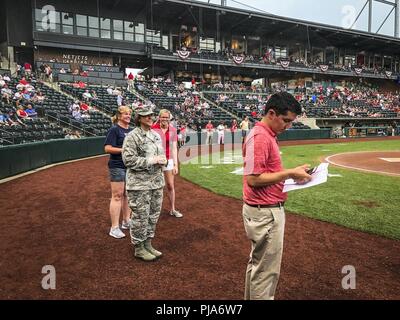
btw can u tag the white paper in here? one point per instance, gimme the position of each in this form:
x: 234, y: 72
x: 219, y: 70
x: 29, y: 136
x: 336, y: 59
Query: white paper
x: 319, y: 176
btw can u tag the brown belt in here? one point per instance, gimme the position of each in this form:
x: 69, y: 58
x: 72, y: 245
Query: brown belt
x: 263, y: 206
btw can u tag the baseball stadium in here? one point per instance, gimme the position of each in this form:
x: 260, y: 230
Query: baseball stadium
x: 68, y: 67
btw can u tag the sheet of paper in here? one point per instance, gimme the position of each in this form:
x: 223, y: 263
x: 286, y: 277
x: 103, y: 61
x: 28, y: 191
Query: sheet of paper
x: 319, y: 176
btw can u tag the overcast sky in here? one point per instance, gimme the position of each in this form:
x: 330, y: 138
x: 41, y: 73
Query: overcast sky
x: 334, y: 12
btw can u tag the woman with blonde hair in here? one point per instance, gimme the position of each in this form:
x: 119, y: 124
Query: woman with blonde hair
x: 117, y: 171
x: 169, y: 138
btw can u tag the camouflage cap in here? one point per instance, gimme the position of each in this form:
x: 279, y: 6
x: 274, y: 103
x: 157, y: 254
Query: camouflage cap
x: 143, y: 111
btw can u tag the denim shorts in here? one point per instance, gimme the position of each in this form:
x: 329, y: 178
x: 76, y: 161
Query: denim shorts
x: 117, y: 174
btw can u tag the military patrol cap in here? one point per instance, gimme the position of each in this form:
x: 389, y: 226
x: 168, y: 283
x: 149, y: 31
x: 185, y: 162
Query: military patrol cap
x: 144, y: 111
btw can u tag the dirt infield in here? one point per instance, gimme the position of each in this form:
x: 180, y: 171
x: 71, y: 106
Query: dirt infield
x: 60, y: 217
x: 387, y: 163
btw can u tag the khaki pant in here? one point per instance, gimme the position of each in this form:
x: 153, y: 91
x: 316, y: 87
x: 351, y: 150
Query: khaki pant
x: 265, y: 228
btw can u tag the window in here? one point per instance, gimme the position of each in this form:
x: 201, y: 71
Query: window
x: 280, y: 52
x: 105, y: 25
x: 118, y: 25
x: 139, y: 28
x: 153, y: 36
x: 139, y: 37
x: 118, y: 35
x: 94, y: 33
x: 94, y: 22
x: 82, y: 31
x: 67, y: 20
x: 217, y: 46
x: 81, y: 23
x: 129, y: 31
x: 105, y: 34
x: 165, y: 42
x: 128, y: 36
x: 207, y: 44
x: 139, y: 32
x: 94, y: 27
x: 68, y: 29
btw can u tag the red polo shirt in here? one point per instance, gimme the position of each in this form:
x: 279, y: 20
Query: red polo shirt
x: 261, y: 155
x: 170, y: 135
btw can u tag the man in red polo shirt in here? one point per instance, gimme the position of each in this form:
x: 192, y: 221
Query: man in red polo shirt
x: 263, y: 208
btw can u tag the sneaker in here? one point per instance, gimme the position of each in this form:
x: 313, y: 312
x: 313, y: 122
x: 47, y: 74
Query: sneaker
x: 176, y: 213
x: 116, y: 233
x: 126, y: 225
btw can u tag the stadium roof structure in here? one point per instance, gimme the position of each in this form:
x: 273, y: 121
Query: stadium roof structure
x: 247, y: 22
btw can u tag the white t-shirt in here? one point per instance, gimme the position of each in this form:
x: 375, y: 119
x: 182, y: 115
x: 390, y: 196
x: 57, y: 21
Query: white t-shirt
x: 221, y: 128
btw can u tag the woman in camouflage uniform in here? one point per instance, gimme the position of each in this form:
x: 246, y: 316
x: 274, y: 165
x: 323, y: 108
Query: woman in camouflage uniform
x: 144, y: 157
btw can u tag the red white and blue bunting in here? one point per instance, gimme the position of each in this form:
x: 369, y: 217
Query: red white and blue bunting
x: 285, y: 63
x: 388, y: 74
x: 238, y: 59
x: 183, y: 54
x: 324, y: 67
x: 358, y: 71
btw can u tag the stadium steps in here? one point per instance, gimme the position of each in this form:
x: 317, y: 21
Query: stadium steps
x: 211, y: 103
x: 137, y: 94
x: 55, y: 86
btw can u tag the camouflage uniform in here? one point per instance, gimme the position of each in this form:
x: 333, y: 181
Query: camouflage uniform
x: 144, y: 182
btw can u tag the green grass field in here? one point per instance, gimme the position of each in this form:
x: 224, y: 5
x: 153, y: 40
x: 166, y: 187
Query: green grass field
x: 362, y: 201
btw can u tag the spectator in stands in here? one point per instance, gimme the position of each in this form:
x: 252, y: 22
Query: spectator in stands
x: 245, y: 127
x: 6, y: 94
x: 110, y: 90
x: 117, y: 170
x: 221, y: 133
x: 49, y: 73
x: 120, y: 100
x: 19, y: 70
x: 87, y: 96
x: 42, y: 72
x: 28, y: 68
x: 169, y: 138
x: 94, y: 95
x: 21, y: 113
x: 76, y: 113
x: 13, y: 119
x: 130, y: 81
x: 31, y: 112
x: 84, y: 107
x: 3, y: 119
x: 23, y: 82
x: 210, y: 132
x: 6, y: 78
x: 39, y: 98
x: 144, y: 157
